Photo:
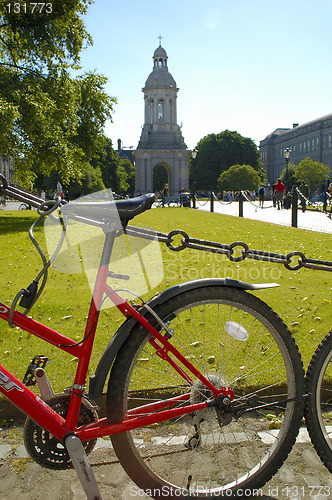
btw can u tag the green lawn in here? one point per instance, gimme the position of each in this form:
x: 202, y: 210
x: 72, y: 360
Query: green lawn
x: 303, y: 299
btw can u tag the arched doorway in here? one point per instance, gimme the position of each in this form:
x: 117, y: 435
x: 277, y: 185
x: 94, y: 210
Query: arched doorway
x: 160, y: 177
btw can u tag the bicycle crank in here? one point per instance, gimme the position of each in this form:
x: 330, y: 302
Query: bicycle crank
x: 43, y: 447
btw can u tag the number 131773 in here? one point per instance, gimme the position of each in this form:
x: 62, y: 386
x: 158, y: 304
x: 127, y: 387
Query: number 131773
x: 29, y: 8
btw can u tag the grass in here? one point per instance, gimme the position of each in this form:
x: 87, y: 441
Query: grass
x: 303, y: 299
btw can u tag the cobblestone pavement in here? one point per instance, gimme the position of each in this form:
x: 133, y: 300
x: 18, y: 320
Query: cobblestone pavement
x: 301, y: 477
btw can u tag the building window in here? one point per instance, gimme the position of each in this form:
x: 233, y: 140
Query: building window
x: 304, y: 147
x: 330, y: 140
x: 151, y: 110
x: 317, y: 143
x: 160, y: 110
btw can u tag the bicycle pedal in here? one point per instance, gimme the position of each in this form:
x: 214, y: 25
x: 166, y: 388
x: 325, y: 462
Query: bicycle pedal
x: 38, y: 361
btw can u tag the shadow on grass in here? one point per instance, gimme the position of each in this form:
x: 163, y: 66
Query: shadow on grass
x: 12, y: 223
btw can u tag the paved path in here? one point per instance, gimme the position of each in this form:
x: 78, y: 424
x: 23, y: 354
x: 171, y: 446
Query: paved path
x: 314, y: 221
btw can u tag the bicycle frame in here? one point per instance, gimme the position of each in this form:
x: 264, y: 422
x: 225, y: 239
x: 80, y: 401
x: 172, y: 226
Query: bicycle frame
x: 47, y: 418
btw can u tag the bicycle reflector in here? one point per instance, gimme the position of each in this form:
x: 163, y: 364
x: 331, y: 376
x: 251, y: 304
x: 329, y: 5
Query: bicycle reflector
x: 236, y: 330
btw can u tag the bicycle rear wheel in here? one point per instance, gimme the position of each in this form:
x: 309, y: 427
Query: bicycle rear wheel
x: 235, y: 340
x: 318, y: 408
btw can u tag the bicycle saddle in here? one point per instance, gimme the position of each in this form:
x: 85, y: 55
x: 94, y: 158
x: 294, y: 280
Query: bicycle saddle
x: 130, y: 207
x: 109, y: 211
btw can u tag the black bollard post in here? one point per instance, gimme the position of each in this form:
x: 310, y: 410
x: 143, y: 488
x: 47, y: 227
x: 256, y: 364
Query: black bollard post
x: 212, y: 201
x: 325, y: 202
x: 294, y: 207
x: 194, y: 195
x: 240, y: 204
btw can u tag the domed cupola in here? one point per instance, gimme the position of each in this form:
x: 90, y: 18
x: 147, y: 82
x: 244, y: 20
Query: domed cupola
x: 160, y: 76
x: 160, y: 58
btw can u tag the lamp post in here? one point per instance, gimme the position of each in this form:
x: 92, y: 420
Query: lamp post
x: 287, y: 153
x: 193, y: 155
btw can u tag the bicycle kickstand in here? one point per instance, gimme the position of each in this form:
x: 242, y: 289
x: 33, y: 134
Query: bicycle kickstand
x: 82, y: 467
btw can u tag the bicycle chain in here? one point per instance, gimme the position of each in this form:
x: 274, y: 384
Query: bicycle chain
x: 230, y: 250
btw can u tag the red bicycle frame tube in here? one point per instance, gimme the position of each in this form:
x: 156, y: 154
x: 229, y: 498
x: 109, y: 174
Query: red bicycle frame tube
x: 32, y: 405
x: 47, y: 418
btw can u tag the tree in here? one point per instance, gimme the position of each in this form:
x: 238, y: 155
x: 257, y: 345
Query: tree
x: 290, y: 179
x: 130, y: 179
x: 117, y: 173
x: 90, y: 182
x: 49, y: 120
x: 217, y: 153
x: 160, y: 177
x: 312, y: 172
x: 239, y: 177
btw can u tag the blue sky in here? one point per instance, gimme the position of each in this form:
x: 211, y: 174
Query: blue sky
x: 245, y: 65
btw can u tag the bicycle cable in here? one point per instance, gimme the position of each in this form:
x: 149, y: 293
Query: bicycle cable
x: 31, y: 294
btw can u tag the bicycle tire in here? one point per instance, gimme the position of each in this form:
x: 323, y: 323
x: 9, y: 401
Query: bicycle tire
x: 318, y: 408
x: 231, y: 459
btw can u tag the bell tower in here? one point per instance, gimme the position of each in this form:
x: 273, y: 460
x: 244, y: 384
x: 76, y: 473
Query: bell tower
x: 161, y: 141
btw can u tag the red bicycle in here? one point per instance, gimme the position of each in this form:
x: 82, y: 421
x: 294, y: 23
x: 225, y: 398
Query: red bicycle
x: 193, y: 373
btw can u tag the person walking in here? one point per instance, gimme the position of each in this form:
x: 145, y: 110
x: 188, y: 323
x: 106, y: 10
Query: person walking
x: 261, y: 196
x: 304, y: 190
x: 279, y: 192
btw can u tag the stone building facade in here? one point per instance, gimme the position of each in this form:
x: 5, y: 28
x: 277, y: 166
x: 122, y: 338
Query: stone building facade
x: 7, y: 168
x: 312, y: 139
x: 161, y: 141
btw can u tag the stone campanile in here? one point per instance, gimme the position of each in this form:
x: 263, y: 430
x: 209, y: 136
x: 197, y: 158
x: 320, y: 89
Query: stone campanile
x: 161, y: 141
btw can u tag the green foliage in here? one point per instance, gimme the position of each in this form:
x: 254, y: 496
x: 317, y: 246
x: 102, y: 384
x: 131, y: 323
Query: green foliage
x: 117, y: 173
x: 239, y: 177
x: 106, y: 170
x: 130, y: 176
x: 91, y: 182
x: 49, y: 120
x: 312, y: 172
x: 290, y: 179
x: 160, y: 177
x: 217, y: 153
x: 60, y: 34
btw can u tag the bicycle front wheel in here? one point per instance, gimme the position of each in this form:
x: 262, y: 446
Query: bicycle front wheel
x: 237, y: 341
x: 318, y: 409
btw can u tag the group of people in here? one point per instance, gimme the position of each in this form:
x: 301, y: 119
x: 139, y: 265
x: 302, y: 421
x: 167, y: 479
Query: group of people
x: 279, y: 194
x: 46, y: 195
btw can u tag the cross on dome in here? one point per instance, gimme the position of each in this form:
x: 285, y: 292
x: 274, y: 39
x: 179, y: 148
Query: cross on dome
x: 160, y: 38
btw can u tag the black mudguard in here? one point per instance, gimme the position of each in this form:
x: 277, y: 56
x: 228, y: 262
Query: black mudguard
x: 97, y: 381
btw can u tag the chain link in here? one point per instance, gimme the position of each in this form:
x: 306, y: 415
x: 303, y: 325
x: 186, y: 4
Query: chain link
x: 245, y: 252
x: 235, y: 252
